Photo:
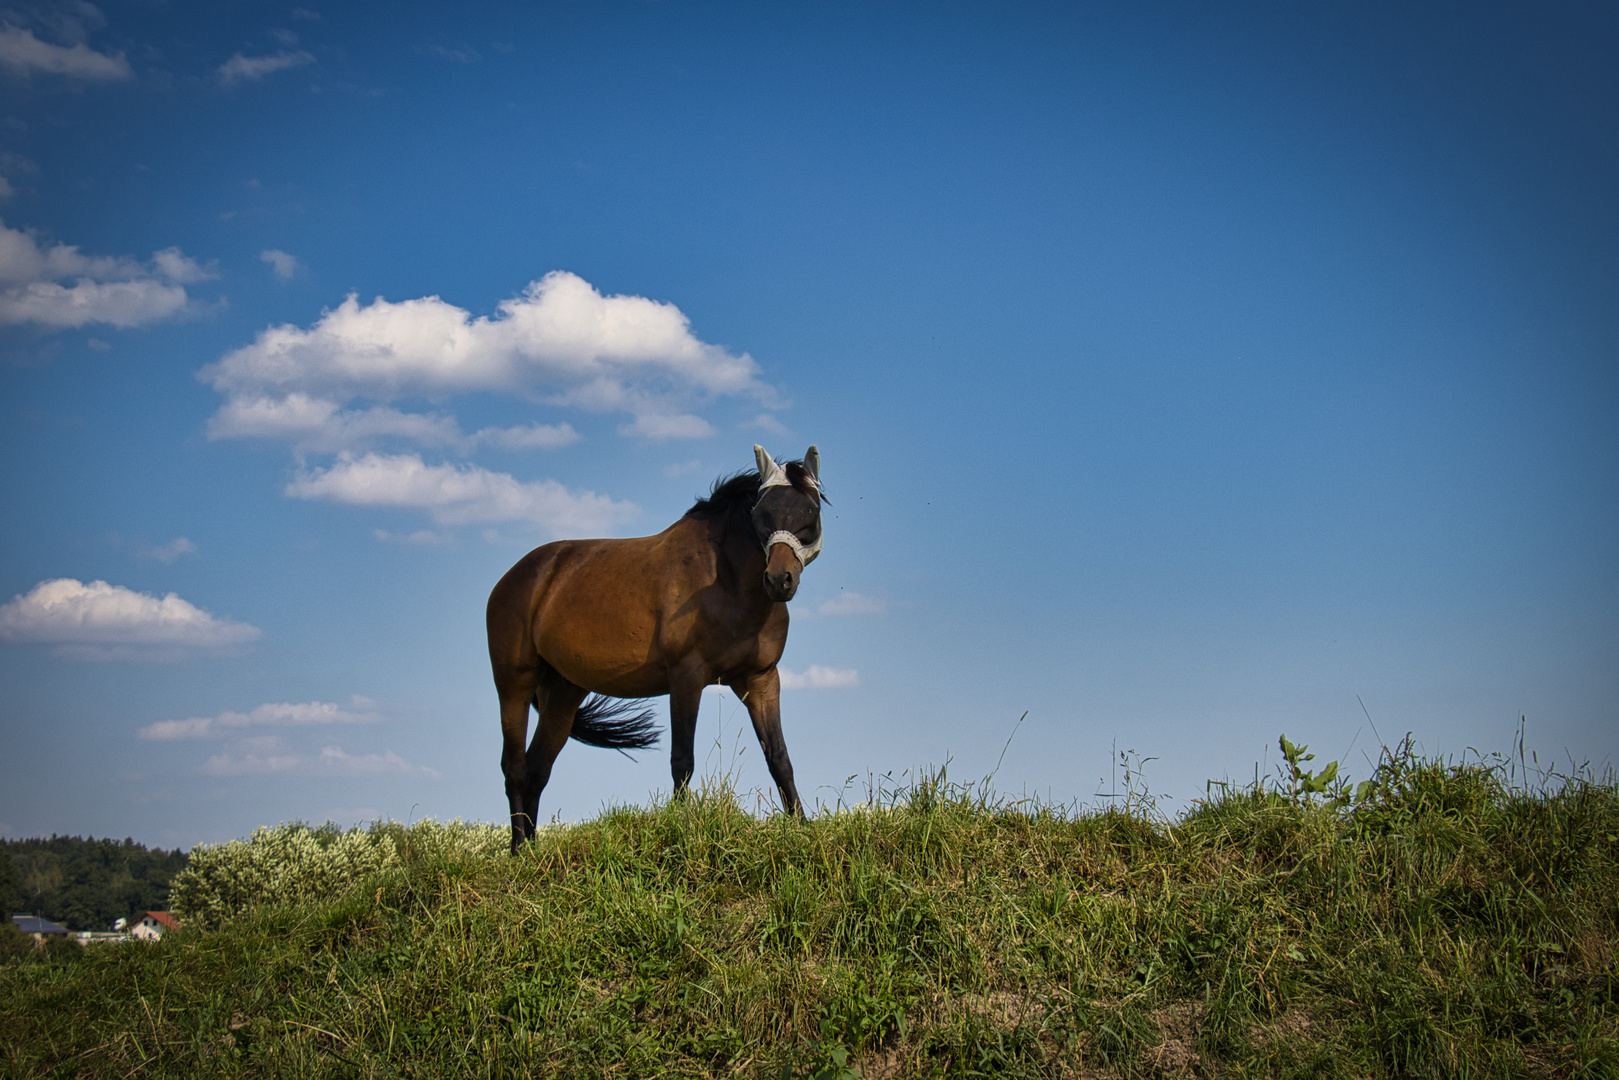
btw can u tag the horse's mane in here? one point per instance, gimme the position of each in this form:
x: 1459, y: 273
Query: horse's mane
x: 740, y: 491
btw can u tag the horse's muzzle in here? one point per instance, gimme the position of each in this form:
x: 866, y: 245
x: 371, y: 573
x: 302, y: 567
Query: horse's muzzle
x: 781, y: 573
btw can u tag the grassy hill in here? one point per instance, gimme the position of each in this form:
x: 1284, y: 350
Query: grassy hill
x: 1442, y: 920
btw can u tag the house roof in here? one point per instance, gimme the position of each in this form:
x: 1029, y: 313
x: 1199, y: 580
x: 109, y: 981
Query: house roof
x: 164, y: 919
x: 33, y: 924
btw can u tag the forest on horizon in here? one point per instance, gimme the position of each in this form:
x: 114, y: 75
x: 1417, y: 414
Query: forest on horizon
x: 85, y: 883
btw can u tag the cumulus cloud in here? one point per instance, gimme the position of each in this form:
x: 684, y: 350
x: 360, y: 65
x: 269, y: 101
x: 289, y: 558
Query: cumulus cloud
x: 117, y: 291
x: 241, y: 68
x: 560, y: 337
x: 852, y: 603
x: 819, y: 678
x: 459, y: 494
x: 320, y: 424
x: 342, y: 386
x: 24, y: 54
x: 284, y: 266
x: 102, y: 621
x: 282, y: 714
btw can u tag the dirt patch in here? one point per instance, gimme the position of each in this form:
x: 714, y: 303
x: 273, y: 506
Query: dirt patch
x: 1289, y: 1027
x: 1007, y: 1008
x: 881, y: 1065
x: 1177, y: 1054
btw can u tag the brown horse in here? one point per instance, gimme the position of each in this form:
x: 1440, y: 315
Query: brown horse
x: 703, y: 602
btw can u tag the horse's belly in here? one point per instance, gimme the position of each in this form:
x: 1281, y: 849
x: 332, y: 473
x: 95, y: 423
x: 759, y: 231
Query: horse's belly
x: 622, y: 664
x: 636, y: 685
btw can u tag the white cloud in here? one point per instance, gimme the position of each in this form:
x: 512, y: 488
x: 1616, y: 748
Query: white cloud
x: 283, y: 265
x: 322, y: 425
x: 6, y: 190
x: 819, y: 678
x: 283, y: 714
x: 23, y: 53
x: 459, y: 495
x: 251, y: 760
x: 767, y: 422
x: 333, y: 759
x: 117, y: 303
x: 70, y: 613
x: 319, y: 424
x: 530, y: 437
x: 852, y: 603
x: 662, y: 426
x: 241, y: 68
x: 265, y: 757
x: 173, y: 264
x: 333, y: 387
x: 117, y: 291
x: 167, y: 553
x: 560, y: 336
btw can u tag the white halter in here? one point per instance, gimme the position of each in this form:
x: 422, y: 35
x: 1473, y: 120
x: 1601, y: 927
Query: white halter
x: 773, y: 475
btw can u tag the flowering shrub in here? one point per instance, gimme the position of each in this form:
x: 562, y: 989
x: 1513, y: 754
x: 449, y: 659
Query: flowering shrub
x: 296, y: 863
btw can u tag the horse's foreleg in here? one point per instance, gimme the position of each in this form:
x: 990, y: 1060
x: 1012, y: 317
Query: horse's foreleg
x: 761, y: 693
x: 685, y: 699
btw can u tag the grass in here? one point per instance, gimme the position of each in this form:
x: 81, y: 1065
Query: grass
x: 1450, y: 922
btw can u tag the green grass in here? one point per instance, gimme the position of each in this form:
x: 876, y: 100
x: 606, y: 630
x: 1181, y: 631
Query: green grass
x: 1449, y: 923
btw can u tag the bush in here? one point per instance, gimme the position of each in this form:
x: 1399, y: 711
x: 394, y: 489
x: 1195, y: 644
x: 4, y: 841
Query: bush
x: 13, y: 942
x: 296, y: 863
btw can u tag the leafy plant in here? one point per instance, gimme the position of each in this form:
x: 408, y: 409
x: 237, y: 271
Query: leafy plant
x: 1304, y: 783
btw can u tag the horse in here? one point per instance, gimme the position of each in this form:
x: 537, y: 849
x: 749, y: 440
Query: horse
x: 577, y: 625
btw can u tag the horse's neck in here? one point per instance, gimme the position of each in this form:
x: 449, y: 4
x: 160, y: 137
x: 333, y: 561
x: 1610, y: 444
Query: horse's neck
x: 741, y: 564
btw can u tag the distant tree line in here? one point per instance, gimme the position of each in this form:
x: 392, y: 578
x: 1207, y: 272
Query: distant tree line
x: 84, y: 883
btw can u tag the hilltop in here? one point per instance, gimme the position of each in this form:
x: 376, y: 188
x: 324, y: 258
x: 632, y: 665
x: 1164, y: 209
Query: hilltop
x: 1441, y: 919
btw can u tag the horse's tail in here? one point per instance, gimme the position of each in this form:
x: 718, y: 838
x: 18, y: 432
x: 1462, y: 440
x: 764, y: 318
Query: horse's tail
x: 615, y: 723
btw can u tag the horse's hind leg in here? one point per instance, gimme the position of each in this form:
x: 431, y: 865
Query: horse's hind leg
x: 516, y: 689
x: 556, y: 700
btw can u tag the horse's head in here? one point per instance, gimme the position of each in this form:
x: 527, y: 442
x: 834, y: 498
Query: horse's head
x: 787, y: 519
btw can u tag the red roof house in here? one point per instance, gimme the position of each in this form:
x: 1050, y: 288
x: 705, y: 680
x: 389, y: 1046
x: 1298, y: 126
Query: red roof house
x: 153, y: 925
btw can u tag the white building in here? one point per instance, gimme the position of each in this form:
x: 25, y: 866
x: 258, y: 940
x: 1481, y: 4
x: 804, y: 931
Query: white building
x: 153, y: 925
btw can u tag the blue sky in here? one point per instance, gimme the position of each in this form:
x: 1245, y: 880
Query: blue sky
x: 1183, y: 376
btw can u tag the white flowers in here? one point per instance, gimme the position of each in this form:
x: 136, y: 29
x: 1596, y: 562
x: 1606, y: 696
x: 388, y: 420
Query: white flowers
x: 296, y: 863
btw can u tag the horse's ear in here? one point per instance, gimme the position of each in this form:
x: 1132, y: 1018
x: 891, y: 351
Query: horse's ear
x: 766, y: 466
x: 812, y: 463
